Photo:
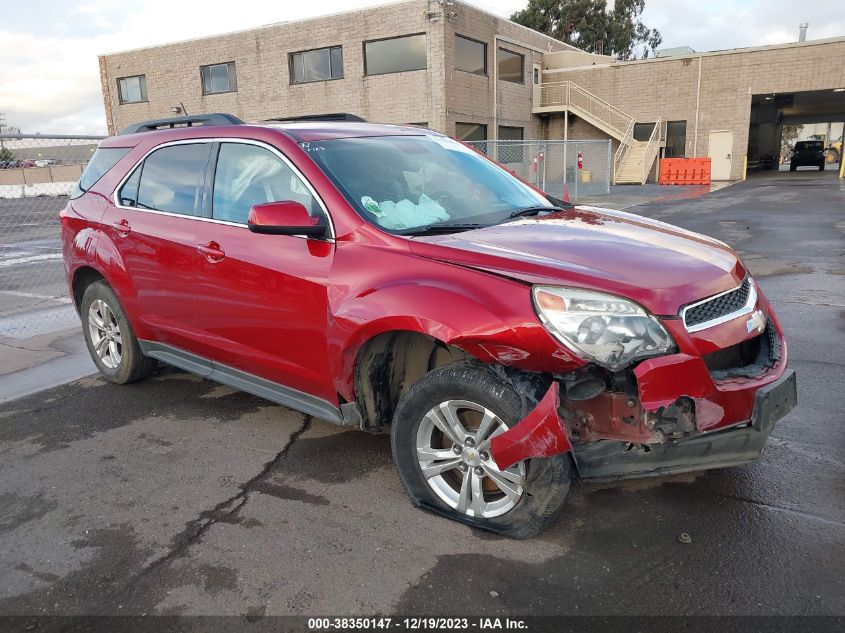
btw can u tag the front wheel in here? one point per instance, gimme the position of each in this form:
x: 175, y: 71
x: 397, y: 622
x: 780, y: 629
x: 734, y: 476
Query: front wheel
x: 441, y: 436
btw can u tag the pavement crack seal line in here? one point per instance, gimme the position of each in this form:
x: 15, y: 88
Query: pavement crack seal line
x: 774, y: 508
x: 191, y: 535
x: 223, y: 511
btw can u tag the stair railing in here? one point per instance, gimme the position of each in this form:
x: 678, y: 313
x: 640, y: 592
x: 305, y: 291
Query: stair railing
x: 571, y: 95
x: 651, y: 150
x: 622, y: 150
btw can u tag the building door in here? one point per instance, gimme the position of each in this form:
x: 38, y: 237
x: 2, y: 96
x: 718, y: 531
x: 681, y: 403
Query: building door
x: 537, y: 82
x: 721, y: 148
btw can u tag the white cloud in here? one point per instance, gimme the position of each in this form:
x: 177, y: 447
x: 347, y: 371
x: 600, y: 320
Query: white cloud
x: 50, y: 82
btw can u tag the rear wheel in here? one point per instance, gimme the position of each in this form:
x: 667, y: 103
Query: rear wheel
x: 110, y: 339
x: 441, y: 436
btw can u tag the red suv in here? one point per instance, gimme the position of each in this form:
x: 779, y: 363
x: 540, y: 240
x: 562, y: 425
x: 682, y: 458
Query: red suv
x: 392, y: 279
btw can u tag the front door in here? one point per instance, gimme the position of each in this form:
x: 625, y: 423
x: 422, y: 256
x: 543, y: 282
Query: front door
x: 721, y: 150
x: 262, y: 299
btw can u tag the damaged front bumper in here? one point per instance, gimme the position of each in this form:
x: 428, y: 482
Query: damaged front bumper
x: 543, y: 434
x: 608, y: 460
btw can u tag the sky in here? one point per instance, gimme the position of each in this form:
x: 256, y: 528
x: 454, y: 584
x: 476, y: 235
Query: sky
x: 49, y: 75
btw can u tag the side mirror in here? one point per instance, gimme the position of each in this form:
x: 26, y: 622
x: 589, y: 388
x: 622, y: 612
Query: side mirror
x: 285, y: 218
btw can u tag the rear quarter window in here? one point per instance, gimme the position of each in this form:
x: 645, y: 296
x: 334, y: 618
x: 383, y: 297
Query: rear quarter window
x: 101, y: 162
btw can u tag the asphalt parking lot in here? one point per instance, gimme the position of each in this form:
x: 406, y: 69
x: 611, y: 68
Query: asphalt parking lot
x: 178, y: 496
x: 32, y: 280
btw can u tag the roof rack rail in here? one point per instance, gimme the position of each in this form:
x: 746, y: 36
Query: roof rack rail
x: 214, y: 118
x: 336, y: 116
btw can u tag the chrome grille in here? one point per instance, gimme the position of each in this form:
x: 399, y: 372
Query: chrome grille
x: 728, y: 304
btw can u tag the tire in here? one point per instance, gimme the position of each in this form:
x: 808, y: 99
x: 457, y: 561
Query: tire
x: 793, y: 167
x: 106, y: 328
x: 833, y: 155
x: 531, y: 506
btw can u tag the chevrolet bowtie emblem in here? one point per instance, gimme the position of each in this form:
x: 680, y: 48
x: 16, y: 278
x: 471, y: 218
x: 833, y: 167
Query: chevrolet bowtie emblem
x: 756, y: 322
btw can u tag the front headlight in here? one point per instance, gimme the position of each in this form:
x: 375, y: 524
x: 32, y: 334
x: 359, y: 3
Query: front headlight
x: 609, y: 330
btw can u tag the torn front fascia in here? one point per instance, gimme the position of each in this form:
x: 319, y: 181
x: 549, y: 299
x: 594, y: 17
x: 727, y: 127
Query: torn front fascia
x: 541, y: 433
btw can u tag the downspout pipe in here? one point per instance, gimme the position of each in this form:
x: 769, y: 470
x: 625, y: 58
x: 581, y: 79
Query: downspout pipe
x: 697, y: 108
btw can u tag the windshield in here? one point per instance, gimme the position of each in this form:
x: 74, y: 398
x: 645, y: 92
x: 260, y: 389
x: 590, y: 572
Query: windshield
x: 404, y: 183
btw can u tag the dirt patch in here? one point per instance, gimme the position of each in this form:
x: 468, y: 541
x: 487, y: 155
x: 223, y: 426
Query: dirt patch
x: 771, y: 267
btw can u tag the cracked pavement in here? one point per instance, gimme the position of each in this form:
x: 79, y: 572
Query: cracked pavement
x: 179, y: 496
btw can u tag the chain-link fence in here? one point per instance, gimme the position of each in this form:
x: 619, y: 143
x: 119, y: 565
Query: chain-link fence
x: 578, y: 168
x: 37, y: 173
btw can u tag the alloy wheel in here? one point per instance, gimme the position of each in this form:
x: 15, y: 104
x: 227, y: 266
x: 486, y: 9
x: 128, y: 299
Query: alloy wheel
x: 453, y: 451
x: 105, y: 334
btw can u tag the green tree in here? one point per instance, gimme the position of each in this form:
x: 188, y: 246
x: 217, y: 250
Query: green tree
x: 788, y: 134
x: 6, y: 154
x: 590, y: 26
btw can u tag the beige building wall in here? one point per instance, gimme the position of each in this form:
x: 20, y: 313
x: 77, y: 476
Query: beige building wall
x: 469, y: 97
x: 669, y: 87
x: 263, y: 76
x: 438, y: 95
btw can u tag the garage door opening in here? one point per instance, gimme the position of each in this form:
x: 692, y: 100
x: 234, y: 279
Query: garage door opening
x: 796, y: 132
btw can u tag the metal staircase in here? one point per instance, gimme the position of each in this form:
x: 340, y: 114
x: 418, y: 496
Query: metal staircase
x: 634, y: 159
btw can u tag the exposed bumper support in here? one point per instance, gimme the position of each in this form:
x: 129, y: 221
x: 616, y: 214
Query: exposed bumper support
x: 541, y: 433
x: 608, y: 460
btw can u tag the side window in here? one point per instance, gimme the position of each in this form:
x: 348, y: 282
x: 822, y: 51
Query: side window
x: 102, y: 161
x: 247, y: 175
x: 172, y: 179
x: 128, y: 194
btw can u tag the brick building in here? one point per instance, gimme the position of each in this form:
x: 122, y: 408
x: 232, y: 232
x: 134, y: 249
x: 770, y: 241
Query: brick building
x: 458, y: 69
x: 393, y: 64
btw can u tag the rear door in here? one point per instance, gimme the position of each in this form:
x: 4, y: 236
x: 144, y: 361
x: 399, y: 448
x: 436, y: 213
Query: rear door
x: 153, y: 225
x: 262, y: 299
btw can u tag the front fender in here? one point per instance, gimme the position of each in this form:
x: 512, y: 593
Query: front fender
x: 487, y: 316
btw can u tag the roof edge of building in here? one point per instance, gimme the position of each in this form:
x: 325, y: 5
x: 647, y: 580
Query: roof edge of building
x: 519, y: 26
x: 263, y: 27
x: 727, y: 51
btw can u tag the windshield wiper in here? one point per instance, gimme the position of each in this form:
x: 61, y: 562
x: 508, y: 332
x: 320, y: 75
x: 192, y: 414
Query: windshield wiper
x: 443, y: 227
x: 519, y: 213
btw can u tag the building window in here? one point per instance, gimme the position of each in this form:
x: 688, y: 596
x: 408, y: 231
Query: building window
x: 511, y: 152
x: 471, y: 131
x: 218, y: 78
x: 511, y: 66
x: 676, y: 139
x: 536, y: 76
x: 509, y: 133
x: 470, y: 55
x: 320, y: 64
x: 642, y: 131
x: 132, y: 89
x: 395, y: 55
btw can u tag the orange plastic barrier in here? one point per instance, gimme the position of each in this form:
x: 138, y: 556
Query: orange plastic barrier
x: 684, y: 171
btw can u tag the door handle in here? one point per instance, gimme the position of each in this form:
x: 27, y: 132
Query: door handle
x: 122, y: 227
x: 212, y: 252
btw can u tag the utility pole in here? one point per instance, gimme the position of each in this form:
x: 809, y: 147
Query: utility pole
x: 2, y: 123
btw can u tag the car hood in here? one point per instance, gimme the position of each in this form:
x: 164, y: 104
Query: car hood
x: 658, y: 265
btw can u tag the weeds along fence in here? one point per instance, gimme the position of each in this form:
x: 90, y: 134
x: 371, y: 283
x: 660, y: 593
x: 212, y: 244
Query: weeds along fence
x: 579, y: 168
x: 37, y: 174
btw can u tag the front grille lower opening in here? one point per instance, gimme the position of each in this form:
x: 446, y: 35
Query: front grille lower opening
x: 746, y: 359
